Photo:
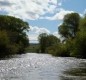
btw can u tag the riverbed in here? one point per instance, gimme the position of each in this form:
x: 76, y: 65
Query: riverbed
x: 33, y: 66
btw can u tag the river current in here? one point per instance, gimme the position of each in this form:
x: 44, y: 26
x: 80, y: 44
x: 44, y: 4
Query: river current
x: 32, y: 66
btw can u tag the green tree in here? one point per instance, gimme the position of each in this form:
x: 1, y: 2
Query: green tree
x: 47, y: 41
x: 52, y: 40
x: 4, y: 41
x: 14, y: 30
x: 43, y: 42
x: 69, y: 27
x: 68, y: 30
x: 80, y: 40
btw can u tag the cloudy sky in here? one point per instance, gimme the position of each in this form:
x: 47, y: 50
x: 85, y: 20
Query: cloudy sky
x: 42, y: 15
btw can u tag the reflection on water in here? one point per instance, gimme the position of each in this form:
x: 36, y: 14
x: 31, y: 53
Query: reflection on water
x: 75, y: 74
x: 34, y: 66
x: 78, y: 73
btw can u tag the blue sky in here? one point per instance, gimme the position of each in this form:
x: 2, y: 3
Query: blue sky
x: 42, y: 15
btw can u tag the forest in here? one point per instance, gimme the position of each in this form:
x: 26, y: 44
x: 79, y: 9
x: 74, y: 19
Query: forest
x: 72, y: 43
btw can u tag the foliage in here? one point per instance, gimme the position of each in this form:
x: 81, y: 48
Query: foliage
x: 13, y: 38
x: 73, y: 32
x: 69, y: 27
x: 73, y: 29
x: 43, y: 42
x: 80, y: 41
x: 46, y: 41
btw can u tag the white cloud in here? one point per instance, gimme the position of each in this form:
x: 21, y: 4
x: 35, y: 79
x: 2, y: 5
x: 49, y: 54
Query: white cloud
x: 33, y: 38
x: 28, y: 9
x: 56, y: 34
x: 83, y: 13
x: 59, y: 15
x: 39, y: 30
x: 34, y: 33
x: 59, y: 4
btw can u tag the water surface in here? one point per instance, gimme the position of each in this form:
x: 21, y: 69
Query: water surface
x: 32, y: 66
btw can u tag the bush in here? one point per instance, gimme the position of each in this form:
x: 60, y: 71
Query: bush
x: 62, y: 50
x: 58, y: 50
x: 80, y: 45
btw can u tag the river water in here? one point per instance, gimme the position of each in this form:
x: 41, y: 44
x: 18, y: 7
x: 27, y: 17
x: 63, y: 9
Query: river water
x: 32, y: 66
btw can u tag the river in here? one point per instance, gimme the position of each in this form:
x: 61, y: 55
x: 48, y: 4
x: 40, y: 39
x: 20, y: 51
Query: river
x: 32, y: 66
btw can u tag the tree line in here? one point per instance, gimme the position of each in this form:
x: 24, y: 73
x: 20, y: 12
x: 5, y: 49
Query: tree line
x: 13, y: 38
x: 72, y: 41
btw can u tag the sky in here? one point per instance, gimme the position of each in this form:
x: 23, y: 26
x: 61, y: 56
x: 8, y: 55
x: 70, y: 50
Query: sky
x: 43, y: 16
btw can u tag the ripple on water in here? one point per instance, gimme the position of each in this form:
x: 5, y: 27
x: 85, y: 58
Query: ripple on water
x: 34, y: 66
